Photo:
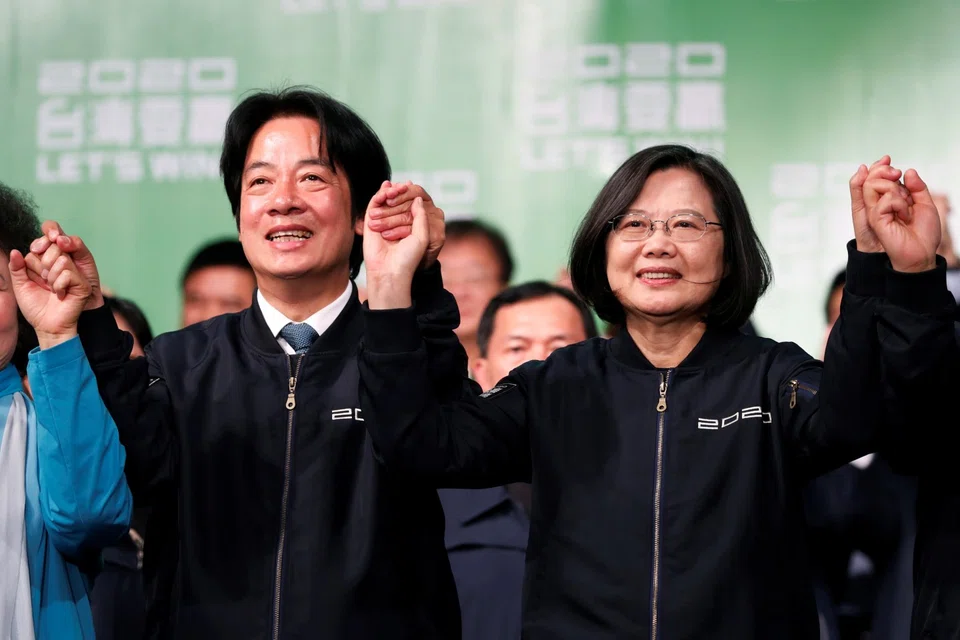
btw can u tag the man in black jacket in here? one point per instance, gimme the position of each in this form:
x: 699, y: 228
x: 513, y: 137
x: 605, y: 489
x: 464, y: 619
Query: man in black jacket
x: 925, y: 390
x: 246, y: 429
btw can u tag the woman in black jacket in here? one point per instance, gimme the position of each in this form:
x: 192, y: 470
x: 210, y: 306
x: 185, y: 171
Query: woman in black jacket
x: 667, y: 463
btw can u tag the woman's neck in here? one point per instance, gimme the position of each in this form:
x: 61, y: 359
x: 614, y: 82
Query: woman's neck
x: 665, y: 343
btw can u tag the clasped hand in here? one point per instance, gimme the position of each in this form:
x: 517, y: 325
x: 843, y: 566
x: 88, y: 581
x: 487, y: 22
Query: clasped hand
x: 50, y: 286
x: 403, y: 231
x: 899, y: 218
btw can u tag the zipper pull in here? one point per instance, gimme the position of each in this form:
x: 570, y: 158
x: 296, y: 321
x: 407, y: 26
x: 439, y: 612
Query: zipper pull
x: 662, y: 403
x: 291, y: 398
x: 793, y: 393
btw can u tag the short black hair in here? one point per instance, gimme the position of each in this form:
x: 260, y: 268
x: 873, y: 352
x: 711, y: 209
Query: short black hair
x: 19, y: 226
x: 349, y: 141
x: 219, y: 253
x: 838, y: 282
x: 129, y: 311
x: 461, y: 229
x: 747, y: 268
x: 534, y: 290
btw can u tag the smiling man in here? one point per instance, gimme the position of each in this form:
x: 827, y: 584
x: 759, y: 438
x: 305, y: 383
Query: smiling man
x: 246, y: 428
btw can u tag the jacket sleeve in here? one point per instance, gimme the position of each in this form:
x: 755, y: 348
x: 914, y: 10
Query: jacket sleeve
x: 135, y: 393
x: 920, y: 360
x: 438, y: 317
x: 831, y: 411
x: 470, y: 441
x: 84, y: 499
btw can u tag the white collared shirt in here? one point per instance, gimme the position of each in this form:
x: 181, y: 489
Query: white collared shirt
x: 320, y: 321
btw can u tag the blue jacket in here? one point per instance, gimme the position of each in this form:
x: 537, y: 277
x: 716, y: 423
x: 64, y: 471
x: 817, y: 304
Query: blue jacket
x: 77, y: 495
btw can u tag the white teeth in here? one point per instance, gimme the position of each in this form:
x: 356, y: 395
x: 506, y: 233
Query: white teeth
x: 289, y: 236
x: 660, y: 276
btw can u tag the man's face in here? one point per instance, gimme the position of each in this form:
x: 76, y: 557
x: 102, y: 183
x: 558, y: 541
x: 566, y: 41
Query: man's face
x: 472, y: 273
x: 216, y: 290
x: 525, y: 331
x: 295, y: 216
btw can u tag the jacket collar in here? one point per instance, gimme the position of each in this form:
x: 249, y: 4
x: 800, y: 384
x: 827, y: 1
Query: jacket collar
x: 343, y: 335
x: 10, y: 381
x: 320, y: 321
x: 714, y: 342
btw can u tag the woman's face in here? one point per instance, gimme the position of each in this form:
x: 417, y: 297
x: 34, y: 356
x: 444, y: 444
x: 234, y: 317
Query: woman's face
x: 8, y: 313
x: 660, y: 278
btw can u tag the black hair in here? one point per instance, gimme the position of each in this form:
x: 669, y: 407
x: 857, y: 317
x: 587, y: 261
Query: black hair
x: 747, y: 268
x: 19, y: 226
x: 838, y: 282
x: 534, y: 290
x: 348, y: 141
x: 129, y: 311
x: 220, y: 253
x: 461, y: 229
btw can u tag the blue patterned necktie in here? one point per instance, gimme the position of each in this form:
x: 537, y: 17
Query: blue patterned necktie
x: 299, y: 335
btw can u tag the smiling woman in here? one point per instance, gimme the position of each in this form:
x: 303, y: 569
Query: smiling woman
x: 667, y: 462
x: 706, y: 242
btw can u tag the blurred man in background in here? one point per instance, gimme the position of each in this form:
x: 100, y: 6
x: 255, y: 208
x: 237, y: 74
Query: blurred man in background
x: 477, y: 265
x: 218, y: 279
x: 486, y: 529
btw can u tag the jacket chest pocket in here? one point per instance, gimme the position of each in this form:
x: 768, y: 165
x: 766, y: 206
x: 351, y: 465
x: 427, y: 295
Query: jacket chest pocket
x: 330, y: 398
x: 716, y: 455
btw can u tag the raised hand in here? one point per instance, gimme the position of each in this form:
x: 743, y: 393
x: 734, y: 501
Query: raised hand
x: 904, y: 219
x: 54, y: 242
x: 391, y: 213
x: 51, y: 299
x: 391, y: 263
x: 860, y: 202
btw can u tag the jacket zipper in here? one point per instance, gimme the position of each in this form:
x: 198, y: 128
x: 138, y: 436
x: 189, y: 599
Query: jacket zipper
x: 655, y: 589
x: 794, y: 385
x: 290, y: 405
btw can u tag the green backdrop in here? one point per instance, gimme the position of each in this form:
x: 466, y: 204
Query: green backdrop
x: 512, y: 110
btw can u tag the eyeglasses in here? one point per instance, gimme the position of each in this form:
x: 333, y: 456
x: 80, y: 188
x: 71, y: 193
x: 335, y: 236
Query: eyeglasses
x: 682, y: 227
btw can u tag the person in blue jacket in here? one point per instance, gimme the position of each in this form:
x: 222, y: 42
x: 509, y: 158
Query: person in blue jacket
x: 64, y: 492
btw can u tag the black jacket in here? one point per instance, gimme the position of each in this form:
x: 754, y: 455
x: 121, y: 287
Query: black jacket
x: 286, y: 524
x: 666, y: 503
x: 921, y: 360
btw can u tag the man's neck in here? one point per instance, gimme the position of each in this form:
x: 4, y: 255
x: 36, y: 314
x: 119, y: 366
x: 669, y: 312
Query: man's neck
x: 300, y: 298
x: 666, y: 344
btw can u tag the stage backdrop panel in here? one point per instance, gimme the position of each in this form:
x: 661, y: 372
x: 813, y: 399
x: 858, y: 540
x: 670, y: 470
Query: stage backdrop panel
x: 515, y: 111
